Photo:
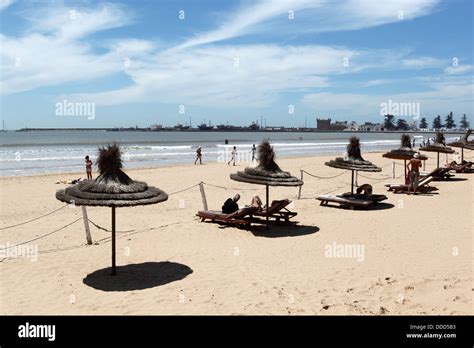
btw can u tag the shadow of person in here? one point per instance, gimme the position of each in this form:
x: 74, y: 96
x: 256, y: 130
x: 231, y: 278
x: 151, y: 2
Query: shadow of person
x: 283, y: 230
x: 137, y: 276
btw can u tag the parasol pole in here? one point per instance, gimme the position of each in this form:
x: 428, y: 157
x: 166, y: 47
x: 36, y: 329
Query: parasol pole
x: 267, y: 196
x: 437, y: 165
x: 405, y: 166
x: 462, y: 155
x: 113, y: 241
x: 352, y: 182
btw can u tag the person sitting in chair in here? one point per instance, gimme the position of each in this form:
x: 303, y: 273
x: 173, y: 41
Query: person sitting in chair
x: 230, y: 205
x: 367, y: 190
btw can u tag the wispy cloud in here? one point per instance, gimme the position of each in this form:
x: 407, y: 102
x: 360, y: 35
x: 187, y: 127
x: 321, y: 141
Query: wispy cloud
x: 300, y: 16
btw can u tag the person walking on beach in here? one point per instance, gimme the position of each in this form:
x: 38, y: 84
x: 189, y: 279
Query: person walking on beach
x: 233, y: 154
x: 413, y: 168
x: 254, y: 151
x: 88, y: 168
x: 198, y: 155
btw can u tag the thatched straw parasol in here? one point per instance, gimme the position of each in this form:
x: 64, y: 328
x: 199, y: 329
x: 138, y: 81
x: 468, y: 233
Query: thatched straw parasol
x: 438, y: 146
x: 405, y: 152
x: 354, y: 162
x: 113, y: 188
x: 464, y: 143
x: 267, y: 172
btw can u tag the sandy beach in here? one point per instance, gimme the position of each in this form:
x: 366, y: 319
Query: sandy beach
x: 415, y: 252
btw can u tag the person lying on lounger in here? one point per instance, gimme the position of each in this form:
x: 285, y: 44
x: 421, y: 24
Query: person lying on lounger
x: 231, y: 206
x: 367, y: 189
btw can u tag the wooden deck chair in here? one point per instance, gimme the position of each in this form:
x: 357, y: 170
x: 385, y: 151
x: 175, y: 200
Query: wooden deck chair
x: 350, y: 202
x: 423, y: 186
x: 277, y: 210
x: 240, y: 217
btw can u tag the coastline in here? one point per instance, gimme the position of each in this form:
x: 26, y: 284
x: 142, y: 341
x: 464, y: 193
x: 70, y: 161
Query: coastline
x: 165, y: 166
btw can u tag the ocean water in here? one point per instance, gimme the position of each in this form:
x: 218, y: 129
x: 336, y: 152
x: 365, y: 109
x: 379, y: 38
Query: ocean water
x: 36, y: 152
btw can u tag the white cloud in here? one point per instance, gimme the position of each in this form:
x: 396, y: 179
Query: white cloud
x: 228, y: 75
x: 54, y: 54
x: 423, y: 62
x: 377, y: 82
x: 460, y: 69
x: 5, y: 3
x: 449, y: 95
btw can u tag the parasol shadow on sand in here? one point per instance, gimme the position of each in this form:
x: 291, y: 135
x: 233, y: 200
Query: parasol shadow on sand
x: 438, y: 147
x: 404, y: 152
x: 279, y: 231
x: 267, y: 173
x: 137, y: 276
x: 112, y: 188
x: 463, y: 143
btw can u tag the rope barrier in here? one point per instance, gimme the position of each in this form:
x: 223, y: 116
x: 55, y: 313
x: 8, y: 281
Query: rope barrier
x: 324, y: 177
x: 34, y: 219
x: 105, y: 229
x: 230, y: 188
x: 44, y: 235
x: 189, y: 188
x: 379, y: 179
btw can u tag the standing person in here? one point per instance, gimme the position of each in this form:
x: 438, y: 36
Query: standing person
x: 254, y: 151
x: 88, y: 168
x: 414, y: 171
x: 414, y: 142
x: 233, y: 154
x: 198, y: 155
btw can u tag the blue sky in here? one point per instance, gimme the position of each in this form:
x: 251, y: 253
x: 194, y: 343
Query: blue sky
x: 233, y: 61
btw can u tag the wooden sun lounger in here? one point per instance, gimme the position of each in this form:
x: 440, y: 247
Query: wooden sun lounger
x: 374, y: 198
x: 345, y: 201
x: 423, y: 186
x: 462, y: 168
x: 438, y: 173
x: 240, y: 217
x: 277, y: 210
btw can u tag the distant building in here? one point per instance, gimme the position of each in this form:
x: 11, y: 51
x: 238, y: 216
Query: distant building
x: 325, y: 124
x: 371, y: 127
x: 156, y: 126
x: 351, y: 126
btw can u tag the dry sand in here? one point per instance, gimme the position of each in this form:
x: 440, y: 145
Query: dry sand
x: 417, y: 253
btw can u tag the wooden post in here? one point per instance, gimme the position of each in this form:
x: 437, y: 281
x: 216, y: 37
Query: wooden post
x: 299, y: 190
x: 268, y: 206
x: 393, y: 169
x: 86, y: 224
x: 203, y: 195
x: 114, y: 272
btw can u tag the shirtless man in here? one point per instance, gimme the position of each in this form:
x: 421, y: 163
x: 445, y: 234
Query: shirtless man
x: 414, y: 171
